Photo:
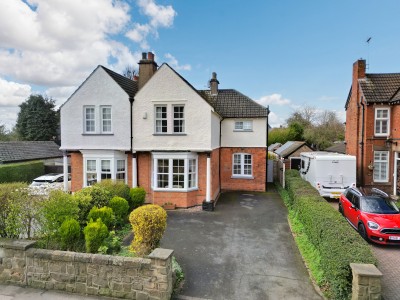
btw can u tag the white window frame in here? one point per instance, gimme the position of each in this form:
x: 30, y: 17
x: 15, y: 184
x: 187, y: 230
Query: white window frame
x: 186, y: 157
x: 161, y: 119
x: 85, y: 119
x: 120, y: 172
x: 182, y: 130
x: 242, y: 165
x: 92, y: 172
x: 245, y: 125
x: 378, y: 163
x: 102, y: 155
x: 381, y: 120
x: 103, y: 120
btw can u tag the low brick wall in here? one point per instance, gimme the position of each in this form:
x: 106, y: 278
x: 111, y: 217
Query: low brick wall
x: 93, y: 274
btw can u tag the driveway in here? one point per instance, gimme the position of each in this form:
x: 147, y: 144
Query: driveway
x: 242, y: 250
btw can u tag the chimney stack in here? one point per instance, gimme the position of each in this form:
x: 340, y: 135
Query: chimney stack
x: 147, y: 68
x: 214, y: 84
x: 359, y: 69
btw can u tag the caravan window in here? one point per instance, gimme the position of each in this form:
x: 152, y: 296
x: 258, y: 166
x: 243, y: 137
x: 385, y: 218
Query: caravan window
x: 303, y: 164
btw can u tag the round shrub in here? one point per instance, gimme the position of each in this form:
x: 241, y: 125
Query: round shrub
x: 100, y: 195
x: 148, y: 225
x: 115, y: 188
x: 137, y: 196
x: 105, y: 213
x: 69, y: 233
x: 120, y: 208
x: 95, y: 233
x: 85, y: 203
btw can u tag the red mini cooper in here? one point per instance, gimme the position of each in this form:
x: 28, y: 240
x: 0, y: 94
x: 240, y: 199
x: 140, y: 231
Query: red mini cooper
x: 375, y: 216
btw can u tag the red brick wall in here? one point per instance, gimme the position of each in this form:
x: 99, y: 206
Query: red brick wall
x: 259, y: 171
x: 143, y: 161
x: 76, y: 171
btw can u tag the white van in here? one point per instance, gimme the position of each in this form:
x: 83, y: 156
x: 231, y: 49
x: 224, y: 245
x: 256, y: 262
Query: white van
x: 330, y: 173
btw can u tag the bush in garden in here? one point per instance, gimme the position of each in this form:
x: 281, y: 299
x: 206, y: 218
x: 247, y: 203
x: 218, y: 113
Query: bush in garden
x: 95, y: 233
x: 137, y: 196
x: 99, y: 195
x: 115, y: 188
x: 105, y: 213
x: 120, y: 208
x: 60, y: 206
x: 69, y: 232
x: 111, y: 244
x: 85, y: 203
x: 148, y: 225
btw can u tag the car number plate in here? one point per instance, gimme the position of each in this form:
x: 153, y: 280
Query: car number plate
x: 394, y: 238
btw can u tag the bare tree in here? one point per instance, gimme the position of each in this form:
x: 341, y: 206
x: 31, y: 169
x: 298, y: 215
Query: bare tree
x: 130, y: 72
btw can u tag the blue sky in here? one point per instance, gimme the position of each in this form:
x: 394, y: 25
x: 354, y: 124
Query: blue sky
x: 285, y: 54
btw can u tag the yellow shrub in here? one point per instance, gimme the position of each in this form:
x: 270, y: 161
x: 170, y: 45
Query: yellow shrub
x: 148, y: 225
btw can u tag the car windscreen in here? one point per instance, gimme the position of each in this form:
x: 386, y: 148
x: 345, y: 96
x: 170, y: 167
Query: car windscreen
x: 378, y: 205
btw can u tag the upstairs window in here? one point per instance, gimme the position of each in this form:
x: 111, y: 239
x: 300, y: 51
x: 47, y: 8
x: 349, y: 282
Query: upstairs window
x: 161, y: 125
x: 382, y: 121
x: 381, y: 166
x: 243, y: 125
x: 90, y: 120
x: 106, y: 119
x: 179, y: 119
x: 242, y: 165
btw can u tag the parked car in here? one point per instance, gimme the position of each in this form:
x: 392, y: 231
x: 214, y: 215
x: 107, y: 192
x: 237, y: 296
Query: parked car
x: 52, y: 179
x: 376, y: 217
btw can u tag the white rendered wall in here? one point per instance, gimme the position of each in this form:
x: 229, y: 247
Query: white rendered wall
x: 255, y: 138
x: 98, y: 89
x: 167, y: 88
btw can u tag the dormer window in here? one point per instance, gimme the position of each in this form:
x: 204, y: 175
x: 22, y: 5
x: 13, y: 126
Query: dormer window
x: 243, y: 126
x: 382, y: 121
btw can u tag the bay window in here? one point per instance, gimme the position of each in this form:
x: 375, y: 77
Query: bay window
x: 174, y: 171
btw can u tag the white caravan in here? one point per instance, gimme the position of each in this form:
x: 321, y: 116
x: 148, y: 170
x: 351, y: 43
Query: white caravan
x: 330, y: 173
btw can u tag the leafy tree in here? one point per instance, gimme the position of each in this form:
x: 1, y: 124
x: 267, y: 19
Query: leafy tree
x: 37, y: 120
x: 7, y: 135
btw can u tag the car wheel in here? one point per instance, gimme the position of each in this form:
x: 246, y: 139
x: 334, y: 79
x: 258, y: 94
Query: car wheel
x: 341, y: 209
x: 363, y: 232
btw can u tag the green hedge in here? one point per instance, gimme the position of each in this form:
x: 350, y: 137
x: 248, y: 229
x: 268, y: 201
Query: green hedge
x: 338, y: 244
x: 21, y: 172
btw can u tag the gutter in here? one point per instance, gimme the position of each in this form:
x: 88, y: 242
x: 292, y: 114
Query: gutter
x: 362, y: 143
x: 266, y: 158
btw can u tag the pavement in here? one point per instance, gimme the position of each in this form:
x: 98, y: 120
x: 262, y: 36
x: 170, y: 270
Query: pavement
x: 242, y: 250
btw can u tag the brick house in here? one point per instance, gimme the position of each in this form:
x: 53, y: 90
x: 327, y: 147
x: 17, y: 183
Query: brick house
x: 181, y: 144
x: 373, y: 128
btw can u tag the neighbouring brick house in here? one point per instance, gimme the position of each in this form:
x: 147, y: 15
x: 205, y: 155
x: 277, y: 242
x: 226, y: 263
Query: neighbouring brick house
x: 373, y: 127
x: 181, y: 144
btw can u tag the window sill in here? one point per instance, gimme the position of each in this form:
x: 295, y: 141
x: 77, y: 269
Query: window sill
x: 169, y: 134
x: 92, y: 134
x: 241, y: 177
x: 238, y: 130
x: 174, y: 190
x: 381, y: 135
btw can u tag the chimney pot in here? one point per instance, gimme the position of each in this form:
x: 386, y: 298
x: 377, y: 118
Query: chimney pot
x: 150, y: 56
x: 144, y: 55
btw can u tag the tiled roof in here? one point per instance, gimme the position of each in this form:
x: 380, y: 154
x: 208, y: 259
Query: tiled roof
x: 274, y: 146
x: 288, y: 148
x: 233, y: 104
x: 28, y: 150
x: 128, y: 85
x: 381, y: 87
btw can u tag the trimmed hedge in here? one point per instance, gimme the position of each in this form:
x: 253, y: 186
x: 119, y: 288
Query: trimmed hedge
x: 21, y: 172
x: 338, y: 244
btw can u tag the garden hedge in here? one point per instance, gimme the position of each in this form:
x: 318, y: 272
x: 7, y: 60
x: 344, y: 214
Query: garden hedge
x: 21, y: 172
x: 338, y: 244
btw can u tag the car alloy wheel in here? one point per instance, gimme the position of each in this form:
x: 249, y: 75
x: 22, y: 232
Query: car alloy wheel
x: 363, y: 232
x: 341, y: 209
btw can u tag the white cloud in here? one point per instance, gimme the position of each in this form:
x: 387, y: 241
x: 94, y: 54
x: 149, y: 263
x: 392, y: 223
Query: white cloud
x: 175, y: 64
x: 276, y: 99
x: 160, y: 16
x: 274, y: 120
x: 8, y: 116
x: 12, y: 93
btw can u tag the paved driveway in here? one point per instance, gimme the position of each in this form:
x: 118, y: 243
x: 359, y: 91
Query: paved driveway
x: 242, y: 250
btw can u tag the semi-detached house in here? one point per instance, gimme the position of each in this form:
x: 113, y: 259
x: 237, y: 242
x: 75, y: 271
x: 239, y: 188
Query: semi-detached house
x: 182, y: 145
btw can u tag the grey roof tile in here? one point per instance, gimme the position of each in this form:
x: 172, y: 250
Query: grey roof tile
x: 128, y: 85
x: 381, y: 87
x: 288, y: 148
x: 230, y: 103
x: 28, y: 150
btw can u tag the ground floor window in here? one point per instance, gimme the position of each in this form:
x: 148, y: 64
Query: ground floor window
x: 101, y: 165
x: 242, y: 165
x: 381, y: 166
x: 174, y: 171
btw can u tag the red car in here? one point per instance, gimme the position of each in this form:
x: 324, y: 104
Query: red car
x: 376, y: 217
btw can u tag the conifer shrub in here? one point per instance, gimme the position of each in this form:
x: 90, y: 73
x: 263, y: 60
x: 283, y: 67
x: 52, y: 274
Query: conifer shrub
x: 105, y: 213
x: 70, y: 234
x: 137, y: 196
x: 95, y: 233
x: 120, y: 208
x: 148, y: 225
